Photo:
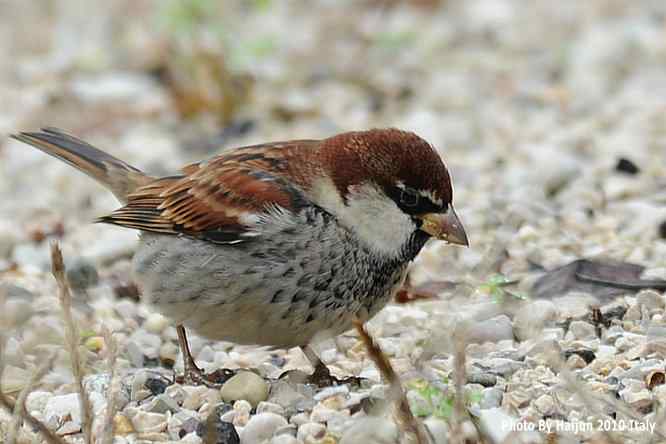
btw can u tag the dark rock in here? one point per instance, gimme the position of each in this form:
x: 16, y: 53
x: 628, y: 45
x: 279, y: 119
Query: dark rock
x: 82, y: 274
x: 484, y: 379
x: 278, y: 361
x: 626, y: 166
x: 587, y: 355
x: 156, y: 386
x: 192, y: 425
x: 219, y: 432
x: 222, y: 408
x: 662, y: 230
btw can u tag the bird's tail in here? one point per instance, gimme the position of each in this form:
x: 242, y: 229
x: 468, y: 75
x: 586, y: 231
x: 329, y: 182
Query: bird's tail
x: 119, y: 177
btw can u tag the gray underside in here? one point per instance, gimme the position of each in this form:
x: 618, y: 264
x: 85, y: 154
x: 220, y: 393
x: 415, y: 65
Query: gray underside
x: 255, y: 292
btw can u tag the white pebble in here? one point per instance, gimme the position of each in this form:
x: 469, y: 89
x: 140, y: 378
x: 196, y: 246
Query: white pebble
x: 261, y: 427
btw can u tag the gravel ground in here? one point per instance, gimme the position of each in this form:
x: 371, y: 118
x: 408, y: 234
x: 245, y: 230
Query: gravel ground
x: 551, y: 118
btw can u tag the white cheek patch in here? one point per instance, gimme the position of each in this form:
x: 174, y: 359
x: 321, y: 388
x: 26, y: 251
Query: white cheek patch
x: 370, y: 214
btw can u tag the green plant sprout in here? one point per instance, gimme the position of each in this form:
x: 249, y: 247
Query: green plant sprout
x: 438, y: 403
x: 496, y: 287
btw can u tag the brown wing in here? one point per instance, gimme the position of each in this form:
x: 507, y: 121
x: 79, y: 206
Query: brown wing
x: 217, y: 200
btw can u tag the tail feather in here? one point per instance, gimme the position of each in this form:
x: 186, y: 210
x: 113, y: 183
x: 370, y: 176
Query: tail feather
x: 119, y: 177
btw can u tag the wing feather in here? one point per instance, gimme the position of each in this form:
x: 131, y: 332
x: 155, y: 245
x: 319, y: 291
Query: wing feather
x: 215, y: 199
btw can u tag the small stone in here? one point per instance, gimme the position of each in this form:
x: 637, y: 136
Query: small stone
x: 175, y: 392
x: 221, y: 432
x: 94, y: 343
x: 338, y: 424
x: 491, y: 330
x: 311, y: 431
x: 531, y: 318
x: 147, y: 422
x: 661, y: 230
x: 633, y: 313
x: 261, y: 427
x: 515, y: 399
x: 228, y: 416
x: 18, y: 306
x: 7, y: 242
x: 497, y: 423
x: 181, y: 423
x: 502, y: 366
x: 605, y: 352
x: 82, y: 274
x: 122, y: 425
x: 135, y: 354
x: 242, y: 406
x: 545, y: 405
x: 156, y: 385
x: 491, y: 397
x: 438, y: 429
x: 242, y: 409
x: 195, y: 396
x: 269, y: 407
x: 321, y: 413
x: 371, y: 431
x: 285, y: 395
x: 190, y: 438
x: 650, y: 299
x: 626, y: 166
x: 284, y: 439
x: 289, y: 429
x: 37, y: 400
x: 245, y: 385
x: 162, y: 404
x: 582, y: 330
x: 300, y: 418
x: 331, y: 391
x: 484, y: 379
x: 641, y: 400
x: 63, y: 408
x: 169, y: 353
x: 156, y: 323
x: 575, y: 361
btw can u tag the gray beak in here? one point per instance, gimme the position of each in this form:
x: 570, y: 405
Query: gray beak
x: 446, y: 227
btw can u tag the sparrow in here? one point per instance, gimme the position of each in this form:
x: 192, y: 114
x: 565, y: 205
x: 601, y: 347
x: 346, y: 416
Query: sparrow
x: 277, y: 243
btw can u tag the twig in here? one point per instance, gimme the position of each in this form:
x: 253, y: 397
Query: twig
x: 111, y: 393
x: 19, y: 405
x: 71, y: 339
x: 406, y: 419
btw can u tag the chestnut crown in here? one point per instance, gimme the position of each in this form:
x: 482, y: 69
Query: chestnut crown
x: 404, y: 165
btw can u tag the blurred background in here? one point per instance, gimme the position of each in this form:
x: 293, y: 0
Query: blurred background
x: 531, y: 106
x: 550, y: 115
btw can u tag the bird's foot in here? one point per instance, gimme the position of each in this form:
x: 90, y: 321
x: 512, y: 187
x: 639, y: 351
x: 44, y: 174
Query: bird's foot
x: 193, y: 375
x: 322, y: 377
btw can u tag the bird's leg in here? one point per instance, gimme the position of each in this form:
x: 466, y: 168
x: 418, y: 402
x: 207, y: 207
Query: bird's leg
x: 322, y: 376
x: 193, y: 374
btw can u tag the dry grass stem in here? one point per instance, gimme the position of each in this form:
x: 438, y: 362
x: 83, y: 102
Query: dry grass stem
x: 71, y: 339
x: 9, y: 405
x: 114, y: 387
x: 459, y: 378
x: 49, y: 436
x: 19, y: 405
x: 404, y: 416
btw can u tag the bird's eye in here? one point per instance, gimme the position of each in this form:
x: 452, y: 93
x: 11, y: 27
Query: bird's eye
x: 409, y: 199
